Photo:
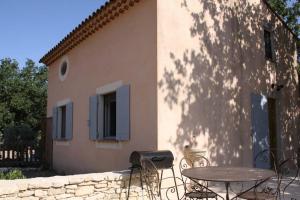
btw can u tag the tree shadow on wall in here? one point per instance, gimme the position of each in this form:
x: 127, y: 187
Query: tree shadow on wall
x: 212, y: 82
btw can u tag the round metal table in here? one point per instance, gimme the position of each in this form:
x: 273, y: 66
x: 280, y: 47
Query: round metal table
x: 228, y: 175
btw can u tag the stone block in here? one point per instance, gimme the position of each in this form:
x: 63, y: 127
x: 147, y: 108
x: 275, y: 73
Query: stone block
x: 96, y: 197
x: 75, y: 198
x: 101, y: 185
x: 63, y: 196
x: 48, y: 198
x: 39, y: 184
x: 6, y: 189
x: 70, y: 191
x: 40, y: 193
x: 26, y: 193
x: 30, y: 198
x: 60, y: 182
x: 84, y: 190
x: 71, y: 186
x: 87, y: 183
x: 56, y: 191
x: 22, y: 184
x: 101, y: 189
x: 76, y: 180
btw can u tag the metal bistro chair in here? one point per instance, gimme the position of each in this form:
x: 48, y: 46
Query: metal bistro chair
x: 193, y: 190
x: 150, y: 175
x: 283, y: 169
x: 264, y: 191
x: 289, y: 172
x: 153, y: 178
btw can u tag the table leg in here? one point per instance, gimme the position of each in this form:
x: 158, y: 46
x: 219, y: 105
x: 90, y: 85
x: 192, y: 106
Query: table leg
x: 227, y: 188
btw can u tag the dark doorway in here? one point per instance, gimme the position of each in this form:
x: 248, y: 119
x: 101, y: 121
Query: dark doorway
x: 273, y: 128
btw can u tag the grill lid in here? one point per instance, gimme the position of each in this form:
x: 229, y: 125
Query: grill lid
x: 161, y: 159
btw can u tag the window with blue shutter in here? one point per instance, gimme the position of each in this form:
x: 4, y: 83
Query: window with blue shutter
x: 123, y: 113
x: 54, y: 122
x: 69, y: 121
x: 63, y: 122
x: 93, y: 118
x: 109, y: 117
x: 100, y: 117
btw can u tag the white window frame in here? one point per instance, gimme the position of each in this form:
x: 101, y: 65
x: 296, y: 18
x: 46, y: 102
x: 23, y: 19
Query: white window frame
x: 105, y: 123
x: 59, y: 104
x: 101, y: 91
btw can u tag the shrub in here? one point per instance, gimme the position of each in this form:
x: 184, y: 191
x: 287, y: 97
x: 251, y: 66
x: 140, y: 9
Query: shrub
x: 12, y: 174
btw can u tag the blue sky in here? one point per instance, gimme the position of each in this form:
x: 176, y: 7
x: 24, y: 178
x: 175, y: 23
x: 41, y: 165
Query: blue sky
x: 29, y: 28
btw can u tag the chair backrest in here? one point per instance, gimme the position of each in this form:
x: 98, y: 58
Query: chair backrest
x: 288, y: 173
x: 186, y: 163
x: 266, y: 156
x: 150, y: 174
x: 157, y: 183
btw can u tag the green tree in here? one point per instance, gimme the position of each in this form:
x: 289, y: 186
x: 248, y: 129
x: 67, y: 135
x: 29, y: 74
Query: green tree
x: 23, y: 93
x: 289, y: 10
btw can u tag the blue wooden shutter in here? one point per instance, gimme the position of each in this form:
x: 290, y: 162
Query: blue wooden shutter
x: 100, y: 120
x: 260, y: 129
x: 59, y: 123
x: 54, y: 123
x: 123, y: 113
x: 69, y: 121
x: 93, y: 118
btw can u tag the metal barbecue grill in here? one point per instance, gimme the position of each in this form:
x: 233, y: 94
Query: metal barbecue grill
x: 145, y: 161
x: 161, y: 159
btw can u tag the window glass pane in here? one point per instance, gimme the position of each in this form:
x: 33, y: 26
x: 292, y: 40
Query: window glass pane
x: 113, y: 118
x: 109, y: 115
x: 63, y: 122
x: 268, y: 44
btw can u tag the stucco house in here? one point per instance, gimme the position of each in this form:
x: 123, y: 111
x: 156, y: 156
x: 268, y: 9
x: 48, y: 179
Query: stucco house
x: 219, y: 76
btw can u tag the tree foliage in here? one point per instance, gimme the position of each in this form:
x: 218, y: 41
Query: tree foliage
x: 23, y: 93
x: 289, y: 10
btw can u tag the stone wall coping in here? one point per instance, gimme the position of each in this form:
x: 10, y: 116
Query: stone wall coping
x: 12, y: 186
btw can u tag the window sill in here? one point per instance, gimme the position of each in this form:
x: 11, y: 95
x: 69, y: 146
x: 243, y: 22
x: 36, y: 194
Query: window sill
x: 110, y: 139
x: 108, y: 144
x: 62, y: 142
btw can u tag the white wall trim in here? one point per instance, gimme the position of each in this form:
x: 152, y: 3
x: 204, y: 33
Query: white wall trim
x: 111, y: 87
x: 63, y: 102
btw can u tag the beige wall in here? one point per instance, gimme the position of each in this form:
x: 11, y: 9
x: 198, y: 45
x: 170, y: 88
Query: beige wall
x: 192, y: 66
x: 210, y: 60
x: 125, y: 50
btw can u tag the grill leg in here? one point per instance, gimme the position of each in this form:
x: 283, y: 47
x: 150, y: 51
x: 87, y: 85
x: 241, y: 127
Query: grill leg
x: 149, y: 190
x: 176, y: 188
x: 141, y: 182
x: 129, y: 185
x: 159, y: 187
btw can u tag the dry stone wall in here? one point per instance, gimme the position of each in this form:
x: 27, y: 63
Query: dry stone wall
x: 111, y: 185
